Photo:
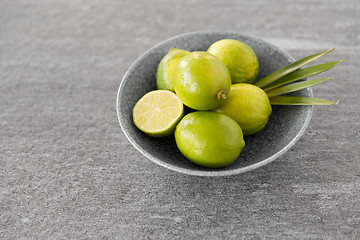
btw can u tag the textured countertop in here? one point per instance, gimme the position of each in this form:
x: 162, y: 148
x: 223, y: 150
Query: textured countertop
x: 68, y: 172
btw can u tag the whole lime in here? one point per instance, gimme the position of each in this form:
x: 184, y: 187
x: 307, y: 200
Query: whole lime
x: 238, y: 57
x: 249, y: 106
x: 166, y: 67
x: 201, y: 80
x: 209, y: 139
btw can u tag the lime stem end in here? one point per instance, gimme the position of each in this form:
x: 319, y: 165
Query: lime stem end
x: 221, y: 94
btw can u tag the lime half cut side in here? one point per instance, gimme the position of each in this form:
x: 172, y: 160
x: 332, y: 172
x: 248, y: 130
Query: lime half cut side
x: 158, y: 112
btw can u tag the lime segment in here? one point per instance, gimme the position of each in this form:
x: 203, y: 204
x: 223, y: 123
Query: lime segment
x: 158, y: 112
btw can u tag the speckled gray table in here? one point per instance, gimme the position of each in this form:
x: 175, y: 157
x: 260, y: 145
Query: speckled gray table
x: 68, y: 172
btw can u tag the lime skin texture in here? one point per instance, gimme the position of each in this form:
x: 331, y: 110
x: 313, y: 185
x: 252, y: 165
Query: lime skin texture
x: 201, y: 80
x: 249, y: 106
x: 209, y: 139
x: 238, y: 57
x: 166, y: 67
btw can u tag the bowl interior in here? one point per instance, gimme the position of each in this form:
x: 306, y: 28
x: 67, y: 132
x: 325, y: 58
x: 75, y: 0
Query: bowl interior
x: 285, y: 127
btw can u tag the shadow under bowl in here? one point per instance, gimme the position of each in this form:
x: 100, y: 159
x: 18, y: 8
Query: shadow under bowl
x: 285, y: 127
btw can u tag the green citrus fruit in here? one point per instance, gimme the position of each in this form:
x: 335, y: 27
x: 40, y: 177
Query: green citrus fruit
x: 166, y: 68
x: 238, y: 57
x: 209, y: 139
x: 201, y: 80
x: 158, y: 112
x: 249, y: 106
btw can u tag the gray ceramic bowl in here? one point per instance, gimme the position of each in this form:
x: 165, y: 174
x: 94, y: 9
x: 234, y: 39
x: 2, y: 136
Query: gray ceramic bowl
x: 285, y: 127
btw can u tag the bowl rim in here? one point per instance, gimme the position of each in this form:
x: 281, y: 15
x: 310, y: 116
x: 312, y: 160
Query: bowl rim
x: 210, y: 172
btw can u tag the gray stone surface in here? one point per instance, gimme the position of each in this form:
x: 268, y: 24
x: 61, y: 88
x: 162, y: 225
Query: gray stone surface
x: 68, y: 172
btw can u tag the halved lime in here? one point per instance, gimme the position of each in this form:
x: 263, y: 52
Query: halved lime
x: 158, y: 112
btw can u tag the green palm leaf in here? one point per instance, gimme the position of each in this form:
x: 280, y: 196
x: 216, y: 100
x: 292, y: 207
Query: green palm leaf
x: 293, y: 100
x: 289, y: 68
x: 295, y: 87
x: 302, y: 73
